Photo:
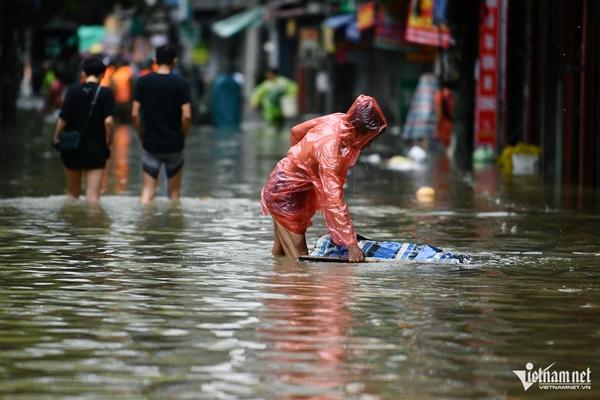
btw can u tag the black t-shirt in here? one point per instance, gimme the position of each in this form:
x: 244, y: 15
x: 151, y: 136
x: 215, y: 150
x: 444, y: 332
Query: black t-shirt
x: 161, y: 97
x: 93, y: 149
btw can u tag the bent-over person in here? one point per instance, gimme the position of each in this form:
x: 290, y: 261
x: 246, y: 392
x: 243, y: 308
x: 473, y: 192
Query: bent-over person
x: 312, y: 177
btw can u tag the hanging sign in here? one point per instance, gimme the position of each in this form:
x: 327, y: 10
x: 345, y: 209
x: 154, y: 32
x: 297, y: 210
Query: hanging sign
x: 486, y: 92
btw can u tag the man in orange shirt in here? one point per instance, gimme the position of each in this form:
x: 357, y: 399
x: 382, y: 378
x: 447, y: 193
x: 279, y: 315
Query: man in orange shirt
x: 122, y: 83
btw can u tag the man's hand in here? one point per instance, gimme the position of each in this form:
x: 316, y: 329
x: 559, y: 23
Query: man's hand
x: 355, y: 254
x: 109, y: 128
x: 60, y: 126
x: 55, y: 143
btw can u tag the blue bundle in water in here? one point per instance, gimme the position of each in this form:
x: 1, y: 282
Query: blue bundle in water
x: 389, y: 251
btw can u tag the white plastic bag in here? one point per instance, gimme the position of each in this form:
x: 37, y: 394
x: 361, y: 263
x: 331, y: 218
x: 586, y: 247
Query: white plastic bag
x: 524, y: 164
x: 289, y: 106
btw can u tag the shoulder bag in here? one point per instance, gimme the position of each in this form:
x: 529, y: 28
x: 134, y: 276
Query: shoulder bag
x: 70, y: 140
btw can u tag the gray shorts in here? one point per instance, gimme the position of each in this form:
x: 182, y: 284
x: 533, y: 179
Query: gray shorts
x: 151, y: 163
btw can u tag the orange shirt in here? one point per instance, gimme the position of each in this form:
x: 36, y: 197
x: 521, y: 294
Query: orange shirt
x: 121, y: 80
x: 110, y: 70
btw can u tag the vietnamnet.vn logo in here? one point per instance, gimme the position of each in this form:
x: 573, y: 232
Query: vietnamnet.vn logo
x: 557, y: 380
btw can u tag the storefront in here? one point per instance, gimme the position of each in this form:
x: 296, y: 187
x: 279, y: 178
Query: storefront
x: 552, y: 91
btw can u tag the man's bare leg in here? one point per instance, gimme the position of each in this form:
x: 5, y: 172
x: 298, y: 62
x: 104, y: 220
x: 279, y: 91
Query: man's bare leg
x: 294, y: 244
x: 277, y: 247
x: 175, y: 185
x: 148, y: 189
x: 73, y: 182
x: 93, y: 184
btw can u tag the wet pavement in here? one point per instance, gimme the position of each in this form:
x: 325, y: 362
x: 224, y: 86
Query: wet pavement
x: 183, y: 300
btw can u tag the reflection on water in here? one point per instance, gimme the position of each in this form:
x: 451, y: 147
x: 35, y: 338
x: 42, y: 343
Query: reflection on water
x: 305, y: 323
x: 118, y: 166
x: 183, y: 300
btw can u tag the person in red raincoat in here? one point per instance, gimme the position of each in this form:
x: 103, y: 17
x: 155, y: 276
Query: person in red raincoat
x: 312, y: 177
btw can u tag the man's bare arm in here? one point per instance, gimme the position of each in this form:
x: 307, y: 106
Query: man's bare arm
x: 137, y: 121
x: 109, y: 127
x: 186, y: 118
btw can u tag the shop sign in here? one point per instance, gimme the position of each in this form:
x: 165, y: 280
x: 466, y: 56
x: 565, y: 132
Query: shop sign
x: 329, y: 40
x: 365, y: 16
x: 420, y: 27
x: 309, y: 43
x: 291, y: 27
x: 486, y: 94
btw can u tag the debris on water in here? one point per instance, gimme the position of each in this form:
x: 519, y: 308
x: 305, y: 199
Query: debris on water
x: 569, y: 290
x: 425, y: 194
x: 372, y: 159
x: 417, y: 154
x: 504, y: 228
x: 585, y: 253
x: 400, y: 163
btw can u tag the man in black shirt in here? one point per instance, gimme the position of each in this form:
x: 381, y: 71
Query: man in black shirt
x: 162, y: 114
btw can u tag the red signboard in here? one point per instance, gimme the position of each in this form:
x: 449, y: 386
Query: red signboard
x: 486, y: 113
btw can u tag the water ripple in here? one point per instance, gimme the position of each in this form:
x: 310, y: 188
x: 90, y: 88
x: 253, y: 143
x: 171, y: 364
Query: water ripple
x: 183, y: 301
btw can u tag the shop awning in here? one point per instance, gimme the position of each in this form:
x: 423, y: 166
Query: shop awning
x: 238, y: 22
x: 338, y: 21
x: 90, y: 37
x: 352, y: 33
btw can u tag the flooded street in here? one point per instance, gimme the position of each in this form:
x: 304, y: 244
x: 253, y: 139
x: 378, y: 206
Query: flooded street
x: 183, y: 300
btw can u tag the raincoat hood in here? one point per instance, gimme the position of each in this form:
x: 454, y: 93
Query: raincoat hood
x: 366, y: 121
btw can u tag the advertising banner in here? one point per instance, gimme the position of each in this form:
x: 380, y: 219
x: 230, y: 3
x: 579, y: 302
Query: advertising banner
x: 365, y: 16
x: 420, y: 27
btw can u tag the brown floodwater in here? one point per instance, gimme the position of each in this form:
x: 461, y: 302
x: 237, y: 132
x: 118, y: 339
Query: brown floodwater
x: 183, y: 300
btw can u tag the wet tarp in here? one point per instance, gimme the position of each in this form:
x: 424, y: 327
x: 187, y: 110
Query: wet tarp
x: 390, y: 250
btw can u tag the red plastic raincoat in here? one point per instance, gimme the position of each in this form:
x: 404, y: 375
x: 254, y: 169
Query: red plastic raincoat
x: 313, y: 173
